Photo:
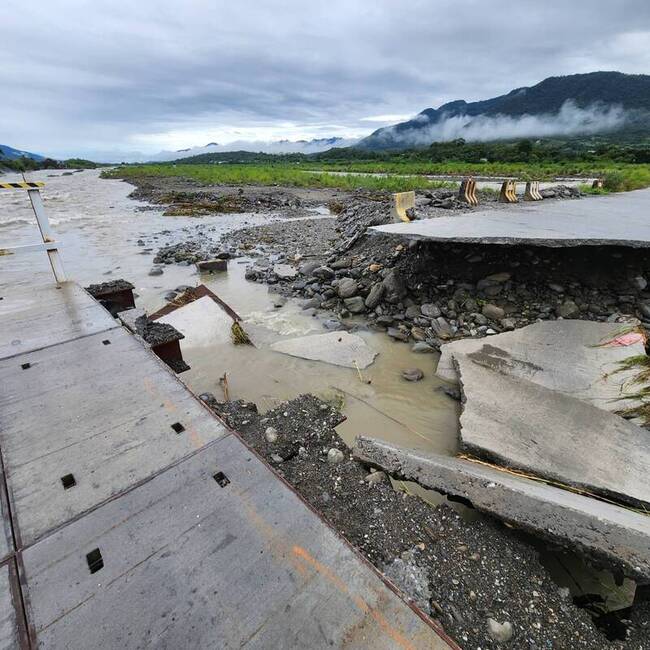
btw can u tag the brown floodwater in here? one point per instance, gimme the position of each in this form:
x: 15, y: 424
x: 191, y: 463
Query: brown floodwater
x: 99, y: 228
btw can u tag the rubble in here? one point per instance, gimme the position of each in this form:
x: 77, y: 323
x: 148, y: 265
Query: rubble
x: 462, y: 571
x: 610, y: 535
x: 523, y: 425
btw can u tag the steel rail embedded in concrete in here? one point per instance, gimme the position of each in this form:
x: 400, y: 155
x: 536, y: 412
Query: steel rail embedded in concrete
x: 139, y: 520
x: 35, y: 317
x: 616, y: 220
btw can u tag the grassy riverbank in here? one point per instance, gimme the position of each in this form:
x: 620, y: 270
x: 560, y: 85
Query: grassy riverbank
x: 400, y: 176
x: 287, y: 175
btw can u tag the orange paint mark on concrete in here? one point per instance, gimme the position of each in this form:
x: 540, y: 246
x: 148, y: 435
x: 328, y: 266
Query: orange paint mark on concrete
x: 359, y: 602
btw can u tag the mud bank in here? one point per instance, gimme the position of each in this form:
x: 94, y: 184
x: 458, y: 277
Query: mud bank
x: 467, y: 574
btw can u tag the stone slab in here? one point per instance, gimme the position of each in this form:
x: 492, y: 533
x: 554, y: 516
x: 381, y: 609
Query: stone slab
x: 12, y: 633
x: 619, y: 219
x: 519, y: 424
x: 338, y: 348
x: 35, y: 317
x: 614, y: 536
x: 190, y: 564
x: 101, y: 412
x: 571, y: 356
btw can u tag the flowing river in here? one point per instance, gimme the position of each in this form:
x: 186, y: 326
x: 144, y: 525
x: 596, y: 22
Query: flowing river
x: 99, y: 228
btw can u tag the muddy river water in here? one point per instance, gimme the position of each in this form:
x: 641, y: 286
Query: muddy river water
x: 99, y: 228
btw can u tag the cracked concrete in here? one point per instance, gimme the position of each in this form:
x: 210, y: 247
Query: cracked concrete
x: 609, y: 535
x: 574, y: 357
x: 523, y: 425
x: 614, y: 220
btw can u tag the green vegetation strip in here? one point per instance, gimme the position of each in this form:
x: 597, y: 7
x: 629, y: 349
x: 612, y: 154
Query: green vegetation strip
x: 281, y: 175
x: 399, y: 176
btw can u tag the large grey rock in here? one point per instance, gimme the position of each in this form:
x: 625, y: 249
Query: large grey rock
x: 307, y: 268
x: 611, y: 535
x: 375, y: 295
x: 394, y: 288
x: 520, y: 424
x: 568, y: 309
x: 493, y: 312
x: 337, y: 348
x: 355, y: 305
x: 430, y: 310
x: 347, y: 287
x: 574, y: 357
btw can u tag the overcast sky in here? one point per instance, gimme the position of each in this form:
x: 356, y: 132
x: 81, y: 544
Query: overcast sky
x: 107, y: 78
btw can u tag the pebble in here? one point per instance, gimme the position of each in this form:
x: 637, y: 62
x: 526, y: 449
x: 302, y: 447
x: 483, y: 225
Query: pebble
x: 375, y: 477
x: 156, y: 270
x: 500, y: 632
x: 335, y: 456
x: 412, y: 374
x: 271, y: 435
x: 493, y: 312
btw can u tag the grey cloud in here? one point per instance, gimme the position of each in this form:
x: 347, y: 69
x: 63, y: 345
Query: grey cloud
x: 82, y: 77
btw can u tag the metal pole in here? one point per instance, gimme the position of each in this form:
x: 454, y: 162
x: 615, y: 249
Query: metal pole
x: 48, y: 237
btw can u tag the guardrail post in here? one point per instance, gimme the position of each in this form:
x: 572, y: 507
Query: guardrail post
x: 44, y: 226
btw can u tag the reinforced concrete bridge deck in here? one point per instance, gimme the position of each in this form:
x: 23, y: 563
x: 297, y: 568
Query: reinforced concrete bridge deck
x: 132, y: 517
x: 615, y: 220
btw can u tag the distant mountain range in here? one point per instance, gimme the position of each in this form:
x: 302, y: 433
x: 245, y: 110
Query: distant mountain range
x: 277, y: 147
x: 597, y: 102
x: 9, y: 153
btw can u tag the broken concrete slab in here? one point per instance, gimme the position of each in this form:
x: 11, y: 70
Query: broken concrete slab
x: 519, y: 424
x: 338, y: 348
x: 611, y: 535
x: 128, y: 318
x: 615, y: 220
x: 578, y: 358
x: 203, y: 322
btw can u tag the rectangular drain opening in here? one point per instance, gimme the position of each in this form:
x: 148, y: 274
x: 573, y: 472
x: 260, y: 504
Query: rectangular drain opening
x: 24, y: 366
x: 95, y: 560
x: 106, y: 342
x: 68, y: 481
x: 178, y: 427
x: 221, y: 479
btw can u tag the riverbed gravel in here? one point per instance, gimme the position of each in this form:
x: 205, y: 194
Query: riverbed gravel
x: 463, y: 573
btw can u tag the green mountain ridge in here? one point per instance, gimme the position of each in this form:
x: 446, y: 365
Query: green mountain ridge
x: 596, y: 102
